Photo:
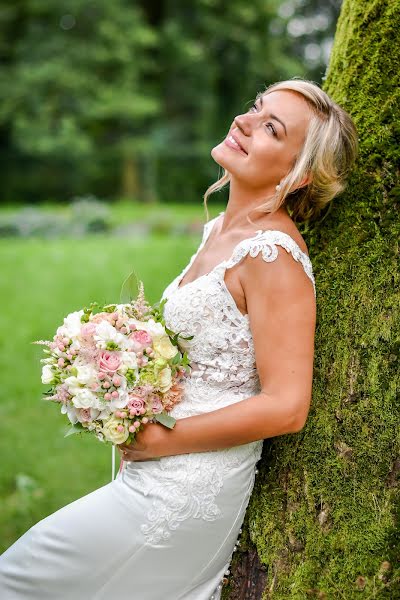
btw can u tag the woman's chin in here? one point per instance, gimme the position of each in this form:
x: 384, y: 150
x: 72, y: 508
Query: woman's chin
x: 221, y: 157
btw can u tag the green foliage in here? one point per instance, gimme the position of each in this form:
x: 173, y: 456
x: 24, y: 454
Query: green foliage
x: 109, y: 97
x: 72, y: 79
x: 324, y: 516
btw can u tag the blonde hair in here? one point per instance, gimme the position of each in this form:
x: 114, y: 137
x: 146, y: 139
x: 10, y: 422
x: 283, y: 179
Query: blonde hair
x: 328, y: 154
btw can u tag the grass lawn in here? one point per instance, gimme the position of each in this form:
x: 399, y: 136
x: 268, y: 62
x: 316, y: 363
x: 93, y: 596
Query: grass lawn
x: 41, y: 282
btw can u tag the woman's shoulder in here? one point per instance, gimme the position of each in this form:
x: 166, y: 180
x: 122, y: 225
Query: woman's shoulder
x: 285, y: 225
x: 272, y: 234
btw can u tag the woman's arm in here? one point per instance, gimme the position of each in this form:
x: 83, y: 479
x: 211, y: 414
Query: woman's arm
x: 282, y: 314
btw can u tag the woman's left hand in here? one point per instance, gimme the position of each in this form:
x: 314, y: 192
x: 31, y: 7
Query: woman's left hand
x: 149, y: 443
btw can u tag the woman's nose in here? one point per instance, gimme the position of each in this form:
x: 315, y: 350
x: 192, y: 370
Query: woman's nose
x: 243, y: 123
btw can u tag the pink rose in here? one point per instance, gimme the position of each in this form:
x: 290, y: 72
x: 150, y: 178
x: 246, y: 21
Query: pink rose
x: 88, y: 329
x: 135, y: 404
x: 109, y: 361
x: 83, y: 414
x: 141, y: 339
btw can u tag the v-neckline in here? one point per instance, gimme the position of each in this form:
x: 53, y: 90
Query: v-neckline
x: 190, y: 264
x: 202, y: 245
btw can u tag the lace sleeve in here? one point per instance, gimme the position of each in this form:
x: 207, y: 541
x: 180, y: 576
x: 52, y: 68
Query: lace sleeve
x: 266, y: 242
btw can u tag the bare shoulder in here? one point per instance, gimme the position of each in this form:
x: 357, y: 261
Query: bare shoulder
x: 286, y: 225
x: 283, y: 276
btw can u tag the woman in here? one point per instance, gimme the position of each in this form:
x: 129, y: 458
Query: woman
x: 167, y: 526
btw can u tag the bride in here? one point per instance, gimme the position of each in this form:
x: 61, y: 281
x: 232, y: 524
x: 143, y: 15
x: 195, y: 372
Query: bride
x: 167, y: 526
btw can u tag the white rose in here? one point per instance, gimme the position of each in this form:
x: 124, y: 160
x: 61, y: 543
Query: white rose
x: 72, y: 325
x: 84, y: 398
x: 86, y: 374
x: 72, y: 384
x: 47, y: 374
x: 107, y: 333
x: 128, y: 361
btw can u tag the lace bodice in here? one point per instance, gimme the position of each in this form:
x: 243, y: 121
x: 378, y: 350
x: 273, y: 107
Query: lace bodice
x: 221, y: 355
x: 221, y: 352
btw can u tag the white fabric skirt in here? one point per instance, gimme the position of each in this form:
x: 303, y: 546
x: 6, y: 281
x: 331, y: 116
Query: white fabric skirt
x: 162, y: 530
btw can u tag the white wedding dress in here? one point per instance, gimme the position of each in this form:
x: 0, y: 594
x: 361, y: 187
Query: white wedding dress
x: 163, y: 529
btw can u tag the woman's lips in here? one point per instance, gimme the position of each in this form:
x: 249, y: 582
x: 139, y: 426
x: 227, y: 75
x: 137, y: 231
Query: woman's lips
x: 229, y: 141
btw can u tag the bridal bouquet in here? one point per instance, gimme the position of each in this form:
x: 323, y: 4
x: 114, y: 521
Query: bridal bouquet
x: 113, y: 368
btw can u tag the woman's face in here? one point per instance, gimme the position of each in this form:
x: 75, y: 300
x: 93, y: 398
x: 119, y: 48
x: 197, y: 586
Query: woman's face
x: 270, y: 136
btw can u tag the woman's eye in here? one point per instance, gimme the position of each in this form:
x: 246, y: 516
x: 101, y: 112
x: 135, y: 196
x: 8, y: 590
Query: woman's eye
x: 272, y: 128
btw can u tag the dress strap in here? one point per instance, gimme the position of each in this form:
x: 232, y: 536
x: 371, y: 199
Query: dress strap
x: 265, y: 241
x: 207, y: 229
x: 206, y: 232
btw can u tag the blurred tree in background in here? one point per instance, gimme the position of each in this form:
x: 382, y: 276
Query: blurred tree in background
x: 73, y: 94
x: 128, y: 98
x: 310, y: 25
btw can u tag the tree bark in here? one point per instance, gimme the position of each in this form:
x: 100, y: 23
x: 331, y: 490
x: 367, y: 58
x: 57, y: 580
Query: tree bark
x: 324, y: 518
x: 130, y: 184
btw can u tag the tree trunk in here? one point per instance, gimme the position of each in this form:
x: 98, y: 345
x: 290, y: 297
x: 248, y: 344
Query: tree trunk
x: 130, y: 185
x: 324, y: 515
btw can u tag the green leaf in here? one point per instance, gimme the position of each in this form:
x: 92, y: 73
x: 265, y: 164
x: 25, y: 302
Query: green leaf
x: 175, y: 360
x: 166, y: 420
x: 110, y: 308
x: 189, y: 337
x: 74, y: 429
x: 129, y: 288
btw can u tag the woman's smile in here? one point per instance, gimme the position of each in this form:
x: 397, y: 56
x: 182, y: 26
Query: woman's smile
x: 232, y: 143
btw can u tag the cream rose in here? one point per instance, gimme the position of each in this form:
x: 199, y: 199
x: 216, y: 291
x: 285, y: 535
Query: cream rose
x: 164, y: 347
x: 111, y: 432
x: 164, y: 380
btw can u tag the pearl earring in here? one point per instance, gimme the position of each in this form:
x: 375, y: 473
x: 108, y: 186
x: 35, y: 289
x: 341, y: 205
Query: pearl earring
x: 278, y: 187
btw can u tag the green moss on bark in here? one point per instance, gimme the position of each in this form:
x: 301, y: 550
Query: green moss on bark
x: 324, y: 515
